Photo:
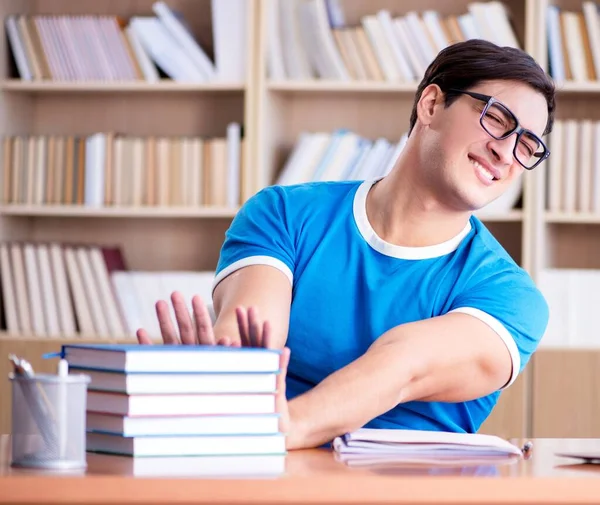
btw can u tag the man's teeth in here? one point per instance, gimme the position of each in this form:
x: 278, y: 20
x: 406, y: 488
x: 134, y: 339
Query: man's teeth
x: 483, y: 170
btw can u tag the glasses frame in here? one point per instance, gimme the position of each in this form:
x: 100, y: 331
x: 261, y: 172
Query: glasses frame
x: 518, y: 129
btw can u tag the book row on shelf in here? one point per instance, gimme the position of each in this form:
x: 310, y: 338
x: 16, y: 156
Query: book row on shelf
x: 189, y: 401
x: 109, y: 169
x: 573, y: 170
x: 108, y: 48
x: 309, y: 39
x: 574, y: 42
x: 57, y: 290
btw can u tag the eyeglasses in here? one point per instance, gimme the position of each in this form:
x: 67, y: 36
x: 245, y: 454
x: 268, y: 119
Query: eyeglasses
x: 500, y: 123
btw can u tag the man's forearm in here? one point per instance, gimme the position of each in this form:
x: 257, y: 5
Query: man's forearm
x: 457, y: 358
x: 346, y: 400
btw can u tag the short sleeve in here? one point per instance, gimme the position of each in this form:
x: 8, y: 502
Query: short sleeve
x: 514, y: 308
x: 258, y: 235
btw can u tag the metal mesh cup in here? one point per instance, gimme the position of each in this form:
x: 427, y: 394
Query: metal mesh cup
x: 48, y: 421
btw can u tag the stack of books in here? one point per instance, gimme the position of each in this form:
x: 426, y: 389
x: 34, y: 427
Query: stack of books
x: 175, y: 401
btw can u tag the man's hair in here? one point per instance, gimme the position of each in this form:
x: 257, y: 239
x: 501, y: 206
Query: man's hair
x: 465, y: 64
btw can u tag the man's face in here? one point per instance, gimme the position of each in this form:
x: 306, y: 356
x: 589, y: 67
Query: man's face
x: 469, y: 167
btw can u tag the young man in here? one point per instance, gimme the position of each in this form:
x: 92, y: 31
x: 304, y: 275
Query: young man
x: 399, y: 307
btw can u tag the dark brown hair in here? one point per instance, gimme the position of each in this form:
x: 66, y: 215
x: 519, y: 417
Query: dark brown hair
x: 465, y: 64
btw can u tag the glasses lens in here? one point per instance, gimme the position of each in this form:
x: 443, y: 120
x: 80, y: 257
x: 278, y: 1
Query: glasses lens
x: 529, y: 149
x: 498, y: 121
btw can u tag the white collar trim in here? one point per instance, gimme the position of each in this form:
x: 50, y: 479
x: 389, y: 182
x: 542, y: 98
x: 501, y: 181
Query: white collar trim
x: 398, y: 251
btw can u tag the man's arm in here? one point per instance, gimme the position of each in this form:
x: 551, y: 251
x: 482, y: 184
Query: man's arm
x: 263, y: 287
x: 451, y: 358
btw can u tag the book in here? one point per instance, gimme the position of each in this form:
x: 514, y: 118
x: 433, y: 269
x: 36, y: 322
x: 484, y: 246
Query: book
x: 179, y: 383
x: 179, y: 404
x: 171, y: 358
x: 247, y: 466
x: 418, y: 443
x: 204, y: 445
x: 233, y: 424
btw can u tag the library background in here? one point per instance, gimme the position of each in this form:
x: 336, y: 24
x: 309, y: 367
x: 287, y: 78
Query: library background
x: 133, y: 130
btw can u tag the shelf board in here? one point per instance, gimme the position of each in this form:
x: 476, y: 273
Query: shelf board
x: 572, y: 217
x: 123, y: 212
x: 510, y: 217
x: 578, y: 87
x: 330, y: 86
x: 320, y: 85
x: 164, y: 85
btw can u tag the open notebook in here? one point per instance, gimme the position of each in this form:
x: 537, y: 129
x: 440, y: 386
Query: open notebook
x: 426, y: 444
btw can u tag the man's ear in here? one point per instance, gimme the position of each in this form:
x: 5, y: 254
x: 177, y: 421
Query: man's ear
x: 431, y: 97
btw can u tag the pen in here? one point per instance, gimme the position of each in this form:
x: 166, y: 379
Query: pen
x: 36, y: 399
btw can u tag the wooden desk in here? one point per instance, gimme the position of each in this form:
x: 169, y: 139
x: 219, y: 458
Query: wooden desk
x: 314, y: 477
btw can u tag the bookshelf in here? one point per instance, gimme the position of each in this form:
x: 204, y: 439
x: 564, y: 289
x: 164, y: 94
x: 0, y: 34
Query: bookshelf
x: 274, y: 112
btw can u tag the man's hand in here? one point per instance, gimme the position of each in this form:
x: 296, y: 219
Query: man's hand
x: 196, y: 331
x: 200, y: 331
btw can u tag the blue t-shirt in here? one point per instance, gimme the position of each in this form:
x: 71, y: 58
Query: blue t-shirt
x: 349, y: 287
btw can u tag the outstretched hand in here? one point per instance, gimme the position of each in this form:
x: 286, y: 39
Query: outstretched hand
x: 198, y: 329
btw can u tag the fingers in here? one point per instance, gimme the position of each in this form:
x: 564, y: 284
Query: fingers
x: 204, y: 327
x: 143, y: 337
x: 242, y: 321
x: 254, y: 328
x: 184, y: 321
x: 167, y: 330
x: 267, y: 336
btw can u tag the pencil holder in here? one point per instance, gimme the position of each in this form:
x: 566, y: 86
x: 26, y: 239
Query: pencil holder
x: 48, y: 421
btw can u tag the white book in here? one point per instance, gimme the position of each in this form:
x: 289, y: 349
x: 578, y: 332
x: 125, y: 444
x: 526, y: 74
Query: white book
x: 381, y: 47
x: 295, y: 59
x: 181, y: 383
x: 584, y: 182
x: 230, y: 36
x: 409, y: 45
x: 136, y: 358
x: 432, y: 21
x: 555, y: 49
x: 574, y: 42
x: 250, y: 424
x: 180, y: 404
x: 247, y: 466
x: 66, y: 315
x: 186, y: 446
x: 18, y: 48
x: 596, y: 168
x: 398, y: 52
x: 275, y: 60
x: 185, y: 40
x: 234, y: 148
x: 423, y: 443
x: 570, y: 168
x: 49, y: 298
x: 148, y: 68
x: 332, y: 59
x: 556, y: 167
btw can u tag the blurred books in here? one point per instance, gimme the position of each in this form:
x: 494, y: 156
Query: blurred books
x: 143, y: 48
x: 196, y: 419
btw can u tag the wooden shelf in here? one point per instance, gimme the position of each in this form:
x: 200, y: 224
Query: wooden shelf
x: 17, y: 85
x: 572, y: 217
x: 578, y: 87
x: 124, y: 212
x: 319, y: 85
